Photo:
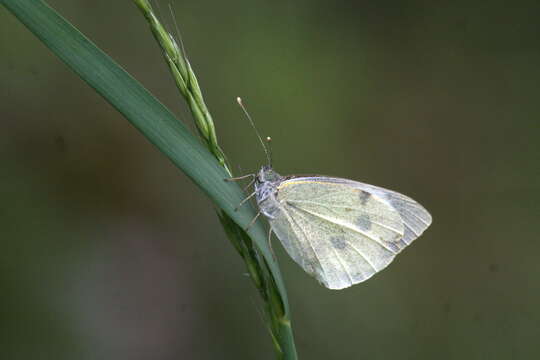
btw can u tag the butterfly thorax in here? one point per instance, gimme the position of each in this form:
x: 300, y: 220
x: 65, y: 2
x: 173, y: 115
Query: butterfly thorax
x: 266, y: 187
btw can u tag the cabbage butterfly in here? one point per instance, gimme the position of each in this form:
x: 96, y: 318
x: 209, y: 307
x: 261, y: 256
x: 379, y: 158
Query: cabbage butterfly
x: 339, y: 231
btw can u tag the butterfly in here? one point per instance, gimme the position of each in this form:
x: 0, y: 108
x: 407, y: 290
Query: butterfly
x: 339, y: 231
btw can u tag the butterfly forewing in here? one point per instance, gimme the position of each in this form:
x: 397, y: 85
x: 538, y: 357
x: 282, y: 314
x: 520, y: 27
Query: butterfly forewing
x: 416, y: 218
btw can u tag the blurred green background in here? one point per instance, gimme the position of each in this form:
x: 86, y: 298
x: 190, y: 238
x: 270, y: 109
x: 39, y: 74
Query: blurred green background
x: 109, y: 252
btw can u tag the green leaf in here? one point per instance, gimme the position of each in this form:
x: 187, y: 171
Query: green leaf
x: 144, y: 112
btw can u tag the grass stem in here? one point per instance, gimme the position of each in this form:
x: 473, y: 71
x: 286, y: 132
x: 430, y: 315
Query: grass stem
x: 274, y: 297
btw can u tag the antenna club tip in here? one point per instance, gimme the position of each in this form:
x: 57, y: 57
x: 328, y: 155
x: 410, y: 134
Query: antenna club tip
x: 268, y: 139
x: 239, y: 99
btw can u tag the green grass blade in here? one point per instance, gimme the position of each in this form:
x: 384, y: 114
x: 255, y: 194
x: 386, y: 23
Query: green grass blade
x: 144, y: 112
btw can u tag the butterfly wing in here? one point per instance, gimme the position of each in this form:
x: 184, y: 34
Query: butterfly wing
x: 343, y: 232
x: 416, y: 219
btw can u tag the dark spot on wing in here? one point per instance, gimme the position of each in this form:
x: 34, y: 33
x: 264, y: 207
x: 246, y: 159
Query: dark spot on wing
x: 338, y: 242
x: 364, y: 197
x: 363, y: 222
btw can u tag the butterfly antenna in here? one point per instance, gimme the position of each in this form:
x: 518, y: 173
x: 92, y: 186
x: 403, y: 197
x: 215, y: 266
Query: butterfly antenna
x: 266, y: 151
x: 269, y: 143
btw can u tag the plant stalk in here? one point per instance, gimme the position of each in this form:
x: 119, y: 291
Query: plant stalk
x: 274, y: 298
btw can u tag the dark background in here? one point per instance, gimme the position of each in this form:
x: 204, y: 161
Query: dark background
x: 109, y: 252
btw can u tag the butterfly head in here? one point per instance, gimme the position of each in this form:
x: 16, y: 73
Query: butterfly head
x: 267, y: 175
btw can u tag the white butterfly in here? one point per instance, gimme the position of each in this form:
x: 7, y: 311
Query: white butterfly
x: 340, y: 231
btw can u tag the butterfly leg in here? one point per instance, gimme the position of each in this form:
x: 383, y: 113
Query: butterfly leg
x: 240, y: 177
x: 252, y: 221
x: 244, y: 201
x: 248, y: 185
